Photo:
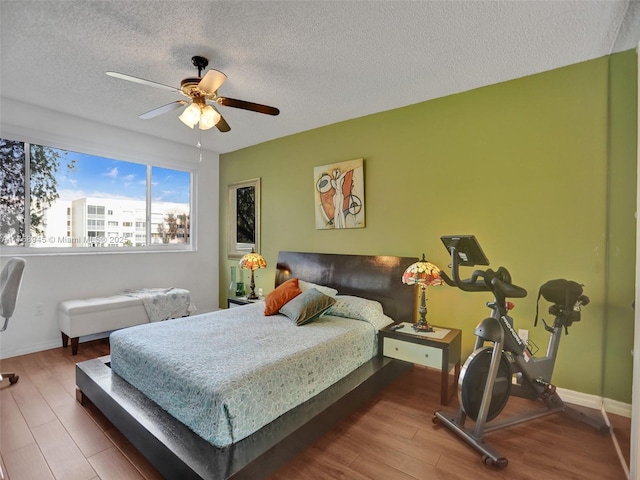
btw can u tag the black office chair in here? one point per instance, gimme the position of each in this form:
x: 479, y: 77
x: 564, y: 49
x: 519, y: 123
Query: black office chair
x: 10, y: 280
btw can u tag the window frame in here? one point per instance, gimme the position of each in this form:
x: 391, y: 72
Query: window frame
x: 26, y: 250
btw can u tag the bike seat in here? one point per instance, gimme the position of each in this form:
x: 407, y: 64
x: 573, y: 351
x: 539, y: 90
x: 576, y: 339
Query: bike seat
x: 508, y: 290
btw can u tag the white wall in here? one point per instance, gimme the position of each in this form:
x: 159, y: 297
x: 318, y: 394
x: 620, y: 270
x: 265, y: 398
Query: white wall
x: 48, y: 279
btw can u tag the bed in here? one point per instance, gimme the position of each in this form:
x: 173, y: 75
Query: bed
x: 236, y: 450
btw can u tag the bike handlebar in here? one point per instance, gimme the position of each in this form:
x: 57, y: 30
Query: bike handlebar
x: 499, y: 283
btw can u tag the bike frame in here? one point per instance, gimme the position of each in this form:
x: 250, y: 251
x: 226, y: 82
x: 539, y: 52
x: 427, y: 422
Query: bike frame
x: 537, y: 370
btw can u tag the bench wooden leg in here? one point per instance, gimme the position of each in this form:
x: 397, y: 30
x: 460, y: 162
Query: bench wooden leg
x: 74, y: 343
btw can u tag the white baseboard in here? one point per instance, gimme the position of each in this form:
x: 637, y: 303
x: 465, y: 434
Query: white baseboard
x: 596, y: 402
x: 48, y: 345
x: 617, y: 408
x: 27, y: 349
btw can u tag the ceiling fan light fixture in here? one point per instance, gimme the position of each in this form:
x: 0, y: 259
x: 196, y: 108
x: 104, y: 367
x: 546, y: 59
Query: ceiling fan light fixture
x: 191, y: 115
x: 208, y: 118
x: 199, y: 90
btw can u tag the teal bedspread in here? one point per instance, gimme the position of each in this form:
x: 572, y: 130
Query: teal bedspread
x: 228, y: 373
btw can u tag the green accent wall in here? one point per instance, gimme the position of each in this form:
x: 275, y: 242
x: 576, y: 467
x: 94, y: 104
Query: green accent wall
x: 622, y: 181
x: 541, y: 169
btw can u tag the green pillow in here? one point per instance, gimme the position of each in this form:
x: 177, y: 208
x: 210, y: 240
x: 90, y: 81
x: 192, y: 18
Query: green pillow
x: 307, y: 306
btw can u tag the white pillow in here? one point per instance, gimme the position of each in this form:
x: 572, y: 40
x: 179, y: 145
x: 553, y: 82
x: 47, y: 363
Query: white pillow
x: 304, y: 286
x: 359, y: 308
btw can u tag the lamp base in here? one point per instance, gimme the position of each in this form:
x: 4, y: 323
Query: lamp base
x: 422, y: 327
x: 252, y: 295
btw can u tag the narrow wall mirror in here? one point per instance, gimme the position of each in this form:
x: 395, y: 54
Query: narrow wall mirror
x: 243, y: 228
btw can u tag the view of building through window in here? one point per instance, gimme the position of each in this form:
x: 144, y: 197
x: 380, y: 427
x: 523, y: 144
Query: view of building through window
x: 80, y: 200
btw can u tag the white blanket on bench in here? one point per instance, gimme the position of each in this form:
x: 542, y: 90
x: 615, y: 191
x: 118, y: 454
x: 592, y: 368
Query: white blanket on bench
x: 164, y: 303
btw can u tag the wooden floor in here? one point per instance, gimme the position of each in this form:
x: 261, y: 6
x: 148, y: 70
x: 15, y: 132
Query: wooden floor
x: 46, y: 434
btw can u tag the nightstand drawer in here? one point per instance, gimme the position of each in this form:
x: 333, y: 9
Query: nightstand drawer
x: 413, y: 352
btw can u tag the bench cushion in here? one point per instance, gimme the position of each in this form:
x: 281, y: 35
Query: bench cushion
x: 77, y: 318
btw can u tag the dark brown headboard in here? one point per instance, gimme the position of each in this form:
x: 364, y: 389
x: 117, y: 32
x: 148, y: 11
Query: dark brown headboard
x: 375, y: 277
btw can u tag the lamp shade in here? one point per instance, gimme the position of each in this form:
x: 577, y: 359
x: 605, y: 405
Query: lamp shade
x: 191, y: 115
x: 200, y: 112
x: 252, y: 261
x: 422, y: 273
x: 208, y: 118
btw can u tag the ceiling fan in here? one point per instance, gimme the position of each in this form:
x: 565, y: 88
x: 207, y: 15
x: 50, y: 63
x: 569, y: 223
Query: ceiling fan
x: 199, y: 90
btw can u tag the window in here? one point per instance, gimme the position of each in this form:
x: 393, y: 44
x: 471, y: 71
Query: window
x: 70, y: 195
x: 95, y: 210
x: 171, y: 221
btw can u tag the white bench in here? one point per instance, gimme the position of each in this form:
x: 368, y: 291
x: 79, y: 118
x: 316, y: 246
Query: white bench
x: 77, y: 318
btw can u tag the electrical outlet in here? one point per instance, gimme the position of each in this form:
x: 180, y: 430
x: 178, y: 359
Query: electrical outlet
x: 39, y: 308
x: 524, y: 335
x: 260, y: 292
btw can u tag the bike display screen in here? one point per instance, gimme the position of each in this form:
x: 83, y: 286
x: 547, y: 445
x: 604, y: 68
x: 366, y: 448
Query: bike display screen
x: 467, y: 248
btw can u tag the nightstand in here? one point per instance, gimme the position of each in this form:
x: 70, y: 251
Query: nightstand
x: 439, y: 349
x: 239, y: 301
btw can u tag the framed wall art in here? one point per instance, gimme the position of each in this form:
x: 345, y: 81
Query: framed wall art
x: 339, y: 195
x: 243, y: 229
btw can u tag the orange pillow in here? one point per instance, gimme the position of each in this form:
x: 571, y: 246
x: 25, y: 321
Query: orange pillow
x: 281, y: 295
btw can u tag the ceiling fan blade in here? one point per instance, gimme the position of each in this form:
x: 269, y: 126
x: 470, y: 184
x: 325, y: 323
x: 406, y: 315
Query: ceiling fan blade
x: 143, y: 81
x: 254, y: 107
x: 212, y: 81
x: 222, y: 125
x: 163, y: 109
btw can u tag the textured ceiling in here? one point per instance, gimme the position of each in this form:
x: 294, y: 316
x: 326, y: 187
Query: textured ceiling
x: 319, y: 62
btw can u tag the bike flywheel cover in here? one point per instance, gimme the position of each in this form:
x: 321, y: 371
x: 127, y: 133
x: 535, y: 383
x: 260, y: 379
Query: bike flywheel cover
x: 472, y: 383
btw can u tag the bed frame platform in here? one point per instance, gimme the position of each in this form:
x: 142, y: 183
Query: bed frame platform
x: 177, y: 452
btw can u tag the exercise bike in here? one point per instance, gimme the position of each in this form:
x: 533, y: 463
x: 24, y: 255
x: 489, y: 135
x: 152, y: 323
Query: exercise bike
x: 508, y: 367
